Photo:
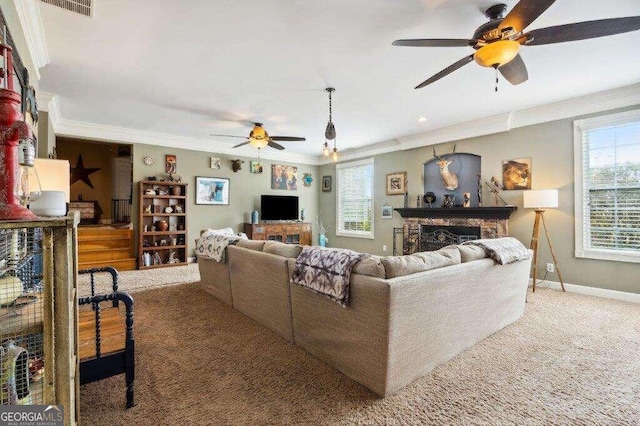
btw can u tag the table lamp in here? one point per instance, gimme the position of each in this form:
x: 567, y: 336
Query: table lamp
x: 541, y: 199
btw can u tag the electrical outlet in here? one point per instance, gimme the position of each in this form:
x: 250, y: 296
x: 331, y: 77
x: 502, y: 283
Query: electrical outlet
x: 551, y: 267
x: 384, y: 247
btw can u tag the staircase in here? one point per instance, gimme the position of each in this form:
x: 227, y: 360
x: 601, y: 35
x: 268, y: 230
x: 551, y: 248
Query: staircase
x: 100, y: 246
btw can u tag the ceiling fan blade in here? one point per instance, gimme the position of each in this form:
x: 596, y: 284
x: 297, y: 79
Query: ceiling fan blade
x: 229, y: 136
x: 582, y: 30
x: 286, y: 138
x: 462, y: 62
x: 524, y: 13
x: 272, y: 144
x: 435, y: 42
x: 514, y: 71
x: 240, y: 144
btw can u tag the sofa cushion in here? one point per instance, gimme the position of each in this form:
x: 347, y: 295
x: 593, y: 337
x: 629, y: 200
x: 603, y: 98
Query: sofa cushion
x: 470, y: 252
x: 435, y: 259
x: 256, y: 245
x: 282, y: 249
x: 398, y: 266
x: 370, y: 266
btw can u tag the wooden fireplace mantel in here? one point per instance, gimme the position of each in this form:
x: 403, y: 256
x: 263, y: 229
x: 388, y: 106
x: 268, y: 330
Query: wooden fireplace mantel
x: 457, y: 212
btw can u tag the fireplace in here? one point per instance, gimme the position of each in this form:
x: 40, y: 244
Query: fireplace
x: 434, y: 237
x: 426, y: 229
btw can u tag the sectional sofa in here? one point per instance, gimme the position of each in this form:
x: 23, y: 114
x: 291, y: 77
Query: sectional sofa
x: 407, y: 314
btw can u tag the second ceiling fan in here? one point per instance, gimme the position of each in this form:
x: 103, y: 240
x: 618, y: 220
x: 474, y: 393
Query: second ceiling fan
x: 259, y: 138
x: 498, y: 41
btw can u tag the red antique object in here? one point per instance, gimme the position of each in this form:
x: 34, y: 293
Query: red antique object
x: 12, y: 130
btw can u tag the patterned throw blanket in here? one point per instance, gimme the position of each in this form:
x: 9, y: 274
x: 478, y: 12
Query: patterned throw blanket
x: 326, y: 271
x: 503, y: 250
x: 212, y: 245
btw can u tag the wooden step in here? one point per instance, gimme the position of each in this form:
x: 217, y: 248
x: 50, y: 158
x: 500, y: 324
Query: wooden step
x: 120, y: 264
x: 90, y: 233
x: 103, y: 254
x: 110, y: 243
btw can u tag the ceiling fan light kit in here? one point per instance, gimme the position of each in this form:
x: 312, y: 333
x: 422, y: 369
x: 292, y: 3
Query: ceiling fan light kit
x: 497, y: 54
x: 497, y: 42
x: 259, y: 138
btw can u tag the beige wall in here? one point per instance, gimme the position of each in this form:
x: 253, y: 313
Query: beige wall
x: 94, y: 155
x: 550, y: 145
x: 245, y: 189
x: 46, y: 135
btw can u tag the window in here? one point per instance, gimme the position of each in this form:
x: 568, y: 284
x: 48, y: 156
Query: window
x: 354, y: 205
x: 607, y: 209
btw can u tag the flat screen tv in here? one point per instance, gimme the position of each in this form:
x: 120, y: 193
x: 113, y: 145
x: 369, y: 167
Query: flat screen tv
x: 279, y: 207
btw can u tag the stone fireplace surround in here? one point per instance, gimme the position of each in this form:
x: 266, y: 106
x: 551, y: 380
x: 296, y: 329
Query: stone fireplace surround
x: 492, y: 221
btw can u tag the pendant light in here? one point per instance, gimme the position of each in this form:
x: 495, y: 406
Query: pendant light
x: 330, y: 131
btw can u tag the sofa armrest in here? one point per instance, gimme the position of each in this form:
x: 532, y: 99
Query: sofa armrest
x: 437, y: 314
x: 260, y: 288
x: 353, y: 339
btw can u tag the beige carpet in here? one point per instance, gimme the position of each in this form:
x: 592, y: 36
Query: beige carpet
x: 572, y: 359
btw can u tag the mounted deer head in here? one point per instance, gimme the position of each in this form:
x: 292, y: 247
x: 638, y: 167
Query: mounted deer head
x: 236, y: 165
x: 449, y: 179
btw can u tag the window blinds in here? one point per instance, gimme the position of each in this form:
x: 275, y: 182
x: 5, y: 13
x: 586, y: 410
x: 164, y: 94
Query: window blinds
x: 611, y: 188
x: 355, y: 199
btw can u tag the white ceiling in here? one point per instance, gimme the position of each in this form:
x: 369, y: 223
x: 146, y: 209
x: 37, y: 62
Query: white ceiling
x: 193, y: 68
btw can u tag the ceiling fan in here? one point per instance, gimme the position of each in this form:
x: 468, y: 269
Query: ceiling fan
x: 498, y: 41
x: 259, y: 138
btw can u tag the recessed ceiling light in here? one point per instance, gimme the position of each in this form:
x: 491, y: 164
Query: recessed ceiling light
x: 422, y: 119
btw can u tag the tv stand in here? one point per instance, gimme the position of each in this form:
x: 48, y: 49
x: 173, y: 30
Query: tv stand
x: 284, y: 232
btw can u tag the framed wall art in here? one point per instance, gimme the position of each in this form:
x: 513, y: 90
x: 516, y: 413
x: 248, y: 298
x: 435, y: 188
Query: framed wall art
x: 284, y: 177
x: 256, y: 167
x: 516, y: 174
x: 326, y: 183
x: 387, y: 211
x: 212, y: 190
x: 396, y: 183
x: 170, y: 163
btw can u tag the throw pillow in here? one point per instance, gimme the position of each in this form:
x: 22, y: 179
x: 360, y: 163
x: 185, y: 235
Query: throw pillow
x: 282, y: 249
x: 256, y: 245
x: 369, y: 266
x: 469, y: 253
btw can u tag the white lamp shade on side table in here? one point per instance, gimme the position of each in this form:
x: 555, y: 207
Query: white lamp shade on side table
x: 540, y: 199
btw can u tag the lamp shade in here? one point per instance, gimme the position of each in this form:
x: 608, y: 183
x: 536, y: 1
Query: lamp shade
x: 540, y: 198
x: 54, y: 175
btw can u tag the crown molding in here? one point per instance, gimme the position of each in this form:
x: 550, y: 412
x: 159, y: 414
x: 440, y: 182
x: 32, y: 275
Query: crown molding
x: 83, y: 130
x: 48, y: 102
x: 597, y: 102
x: 31, y: 23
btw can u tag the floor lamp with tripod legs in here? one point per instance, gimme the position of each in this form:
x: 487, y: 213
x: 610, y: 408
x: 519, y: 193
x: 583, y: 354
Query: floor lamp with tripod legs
x: 541, y: 199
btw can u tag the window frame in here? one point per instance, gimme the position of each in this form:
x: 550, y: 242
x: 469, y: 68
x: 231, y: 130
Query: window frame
x: 579, y: 127
x: 354, y: 234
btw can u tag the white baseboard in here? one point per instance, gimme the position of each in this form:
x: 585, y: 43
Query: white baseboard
x: 591, y: 291
x: 191, y: 259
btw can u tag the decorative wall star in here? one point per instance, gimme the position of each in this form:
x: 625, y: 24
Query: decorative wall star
x: 79, y: 172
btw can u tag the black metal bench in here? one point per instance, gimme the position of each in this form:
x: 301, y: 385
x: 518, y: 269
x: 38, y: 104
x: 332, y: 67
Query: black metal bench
x: 106, y: 353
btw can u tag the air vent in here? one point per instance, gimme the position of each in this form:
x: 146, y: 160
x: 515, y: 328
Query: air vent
x: 82, y: 7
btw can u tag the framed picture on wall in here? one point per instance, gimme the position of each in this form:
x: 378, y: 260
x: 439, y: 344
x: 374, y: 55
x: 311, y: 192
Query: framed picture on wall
x: 284, y: 177
x: 212, y: 190
x: 516, y: 174
x: 387, y: 211
x: 396, y: 183
x: 326, y: 183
